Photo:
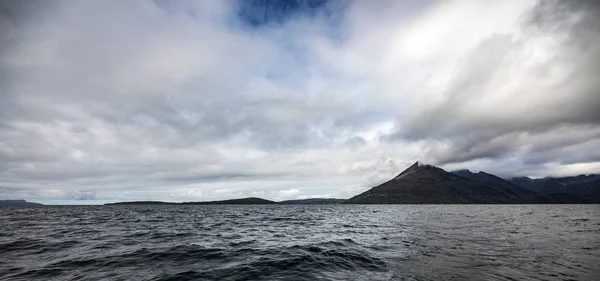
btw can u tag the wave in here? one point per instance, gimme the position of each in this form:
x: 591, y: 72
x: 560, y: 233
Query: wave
x: 237, y: 262
x: 299, y: 243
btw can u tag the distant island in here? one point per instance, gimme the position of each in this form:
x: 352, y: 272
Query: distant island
x: 317, y: 201
x: 427, y: 184
x: 18, y: 202
x: 241, y: 201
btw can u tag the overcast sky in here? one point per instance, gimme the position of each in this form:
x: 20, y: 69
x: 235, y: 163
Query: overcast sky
x: 104, y: 101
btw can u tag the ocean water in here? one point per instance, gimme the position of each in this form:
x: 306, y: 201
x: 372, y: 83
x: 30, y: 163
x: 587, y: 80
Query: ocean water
x: 301, y: 242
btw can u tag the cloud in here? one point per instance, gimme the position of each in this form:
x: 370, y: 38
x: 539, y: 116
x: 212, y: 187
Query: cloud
x: 515, y: 92
x: 83, y: 195
x: 205, y: 100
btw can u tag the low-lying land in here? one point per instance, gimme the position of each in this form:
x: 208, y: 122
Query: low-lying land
x: 427, y: 184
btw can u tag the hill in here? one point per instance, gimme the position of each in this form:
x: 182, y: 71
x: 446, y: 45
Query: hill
x: 240, y: 201
x: 142, y: 203
x: 426, y: 184
x: 18, y: 202
x: 316, y: 201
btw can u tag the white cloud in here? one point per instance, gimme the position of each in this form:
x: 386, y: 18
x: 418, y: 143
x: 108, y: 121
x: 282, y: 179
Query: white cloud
x: 182, y: 101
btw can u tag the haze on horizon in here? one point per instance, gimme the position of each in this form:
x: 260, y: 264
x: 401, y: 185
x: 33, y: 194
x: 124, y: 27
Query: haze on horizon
x: 104, y: 101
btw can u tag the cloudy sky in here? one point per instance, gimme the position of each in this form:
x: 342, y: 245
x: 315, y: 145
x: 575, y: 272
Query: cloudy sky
x: 104, y: 101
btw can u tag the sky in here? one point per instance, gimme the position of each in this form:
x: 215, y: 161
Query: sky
x: 105, y: 101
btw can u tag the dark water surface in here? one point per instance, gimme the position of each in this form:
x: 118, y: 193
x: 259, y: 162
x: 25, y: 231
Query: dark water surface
x: 301, y: 242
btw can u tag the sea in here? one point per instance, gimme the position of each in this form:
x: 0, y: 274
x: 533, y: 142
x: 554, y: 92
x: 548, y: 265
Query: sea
x: 300, y: 242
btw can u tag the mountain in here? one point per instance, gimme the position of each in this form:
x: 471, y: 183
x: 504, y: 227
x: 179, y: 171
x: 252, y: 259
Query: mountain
x: 525, y: 182
x: 314, y: 201
x: 18, y: 202
x: 240, y: 201
x: 570, y: 198
x: 526, y: 195
x: 426, y: 184
x: 583, y: 186
x: 488, y: 178
x: 590, y: 190
x: 580, y: 179
x: 545, y: 186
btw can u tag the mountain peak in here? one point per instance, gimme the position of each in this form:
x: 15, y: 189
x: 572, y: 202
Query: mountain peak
x: 409, y: 170
x: 420, y: 184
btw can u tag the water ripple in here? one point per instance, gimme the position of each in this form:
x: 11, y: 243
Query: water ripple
x: 338, y: 242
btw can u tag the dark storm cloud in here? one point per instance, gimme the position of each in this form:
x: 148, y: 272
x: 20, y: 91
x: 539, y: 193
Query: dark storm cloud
x: 511, y: 87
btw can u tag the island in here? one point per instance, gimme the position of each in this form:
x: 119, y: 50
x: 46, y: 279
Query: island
x: 240, y: 201
x: 18, y: 202
x: 428, y: 184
